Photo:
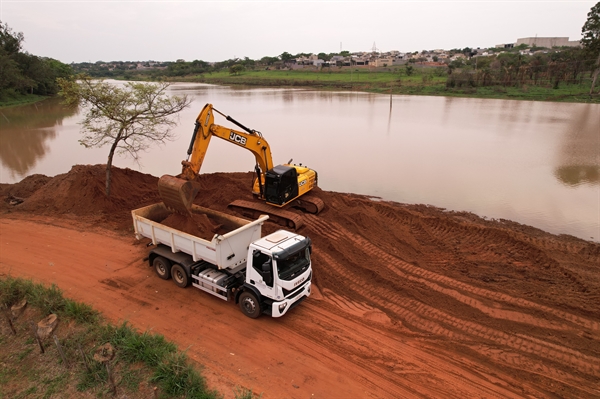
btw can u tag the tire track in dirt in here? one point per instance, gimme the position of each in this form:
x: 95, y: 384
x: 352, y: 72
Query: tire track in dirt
x: 563, y: 355
x: 403, y: 367
x: 492, y: 244
x: 419, y: 319
x: 373, y: 381
x: 335, y: 231
x: 437, y: 323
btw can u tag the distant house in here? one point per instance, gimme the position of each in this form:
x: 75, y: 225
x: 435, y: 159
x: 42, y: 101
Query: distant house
x: 383, y: 62
x: 305, y: 60
x: 337, y: 60
x: 359, y: 61
x: 458, y: 56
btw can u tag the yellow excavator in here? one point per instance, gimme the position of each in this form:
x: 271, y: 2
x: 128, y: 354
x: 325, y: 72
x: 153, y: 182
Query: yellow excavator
x: 277, y: 186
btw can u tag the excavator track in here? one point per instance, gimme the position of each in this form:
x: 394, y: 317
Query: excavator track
x: 309, y: 203
x: 280, y: 216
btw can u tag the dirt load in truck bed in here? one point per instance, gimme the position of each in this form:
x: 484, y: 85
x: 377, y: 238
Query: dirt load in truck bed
x: 410, y: 300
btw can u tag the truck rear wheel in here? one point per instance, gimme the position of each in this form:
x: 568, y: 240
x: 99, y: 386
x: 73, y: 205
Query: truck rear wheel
x: 162, y: 267
x: 180, y: 277
x: 249, y: 305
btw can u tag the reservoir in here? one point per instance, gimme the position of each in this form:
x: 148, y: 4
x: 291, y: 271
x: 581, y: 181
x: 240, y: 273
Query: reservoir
x: 536, y: 163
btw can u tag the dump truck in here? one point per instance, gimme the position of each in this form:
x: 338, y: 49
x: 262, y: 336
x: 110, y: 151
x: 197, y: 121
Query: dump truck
x: 263, y: 275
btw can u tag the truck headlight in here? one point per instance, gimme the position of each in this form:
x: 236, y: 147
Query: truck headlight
x: 282, y: 307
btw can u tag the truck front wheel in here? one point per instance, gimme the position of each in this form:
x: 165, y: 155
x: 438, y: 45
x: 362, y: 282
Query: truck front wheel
x: 162, y: 267
x: 180, y: 277
x: 249, y: 305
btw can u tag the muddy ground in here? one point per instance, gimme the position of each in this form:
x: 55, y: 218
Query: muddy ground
x: 411, y: 300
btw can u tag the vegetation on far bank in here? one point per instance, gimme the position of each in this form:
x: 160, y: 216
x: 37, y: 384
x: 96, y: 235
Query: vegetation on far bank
x: 420, y: 81
x: 144, y: 364
x: 563, y: 74
x: 24, y: 77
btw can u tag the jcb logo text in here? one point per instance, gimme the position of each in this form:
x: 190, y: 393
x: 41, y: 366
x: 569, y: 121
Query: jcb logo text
x: 236, y: 138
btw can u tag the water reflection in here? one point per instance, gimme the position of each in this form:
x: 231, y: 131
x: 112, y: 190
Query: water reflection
x: 26, y: 133
x: 579, y: 154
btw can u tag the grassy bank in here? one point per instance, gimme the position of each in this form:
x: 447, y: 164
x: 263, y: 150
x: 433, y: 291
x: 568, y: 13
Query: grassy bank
x: 20, y: 99
x: 144, y: 364
x: 422, y: 81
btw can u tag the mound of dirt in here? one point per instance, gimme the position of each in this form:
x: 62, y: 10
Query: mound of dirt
x: 25, y: 187
x: 81, y: 192
x: 198, y: 225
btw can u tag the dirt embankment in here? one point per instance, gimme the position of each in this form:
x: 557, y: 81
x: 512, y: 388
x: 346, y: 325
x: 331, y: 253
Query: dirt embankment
x: 412, y: 300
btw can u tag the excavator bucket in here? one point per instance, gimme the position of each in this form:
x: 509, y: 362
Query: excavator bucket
x: 177, y: 194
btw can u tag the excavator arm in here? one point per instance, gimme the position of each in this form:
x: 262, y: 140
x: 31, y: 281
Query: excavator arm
x: 206, y: 128
x: 179, y: 192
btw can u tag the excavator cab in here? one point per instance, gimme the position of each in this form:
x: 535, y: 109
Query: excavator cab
x: 281, y: 185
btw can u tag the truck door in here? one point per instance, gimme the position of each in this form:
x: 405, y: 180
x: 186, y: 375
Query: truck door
x: 263, y: 265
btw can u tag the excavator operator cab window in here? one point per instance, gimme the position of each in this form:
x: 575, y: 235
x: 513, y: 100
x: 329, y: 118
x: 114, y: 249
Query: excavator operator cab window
x: 281, y: 184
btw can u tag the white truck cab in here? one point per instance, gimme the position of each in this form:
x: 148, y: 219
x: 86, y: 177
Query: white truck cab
x: 279, y: 268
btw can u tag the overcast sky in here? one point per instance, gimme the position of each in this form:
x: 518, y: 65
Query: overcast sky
x: 166, y: 30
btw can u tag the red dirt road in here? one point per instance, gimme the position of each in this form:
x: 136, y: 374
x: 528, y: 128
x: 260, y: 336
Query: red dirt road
x: 414, y: 301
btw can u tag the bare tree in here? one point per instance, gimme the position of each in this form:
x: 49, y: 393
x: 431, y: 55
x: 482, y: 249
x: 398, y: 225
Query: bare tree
x: 130, y: 118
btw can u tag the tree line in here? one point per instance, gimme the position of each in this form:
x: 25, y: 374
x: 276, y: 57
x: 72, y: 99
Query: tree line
x: 22, y: 73
x: 545, y: 67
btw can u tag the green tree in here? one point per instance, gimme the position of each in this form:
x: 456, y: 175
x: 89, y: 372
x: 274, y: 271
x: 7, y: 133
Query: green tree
x: 591, y: 40
x: 10, y: 42
x: 248, y: 63
x: 269, y: 60
x: 10, y: 74
x: 236, y: 69
x: 591, y: 31
x: 285, y: 56
x: 128, y: 118
x: 24, y: 73
x: 324, y: 56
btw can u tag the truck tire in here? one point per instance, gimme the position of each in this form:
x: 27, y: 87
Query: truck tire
x: 249, y: 305
x: 162, y: 267
x: 180, y: 277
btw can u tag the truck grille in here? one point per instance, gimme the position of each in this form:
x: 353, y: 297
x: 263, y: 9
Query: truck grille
x: 289, y: 294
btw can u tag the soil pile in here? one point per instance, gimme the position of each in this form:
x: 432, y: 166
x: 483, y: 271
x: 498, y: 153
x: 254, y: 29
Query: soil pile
x: 198, y: 225
x: 513, y: 300
x: 81, y: 192
x: 25, y: 187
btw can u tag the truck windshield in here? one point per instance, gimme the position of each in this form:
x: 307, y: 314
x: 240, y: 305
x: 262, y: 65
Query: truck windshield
x: 294, y: 265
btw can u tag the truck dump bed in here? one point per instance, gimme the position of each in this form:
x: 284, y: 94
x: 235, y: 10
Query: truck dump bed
x: 226, y: 251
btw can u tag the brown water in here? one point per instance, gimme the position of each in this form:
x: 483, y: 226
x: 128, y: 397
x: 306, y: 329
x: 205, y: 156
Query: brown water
x: 536, y: 163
